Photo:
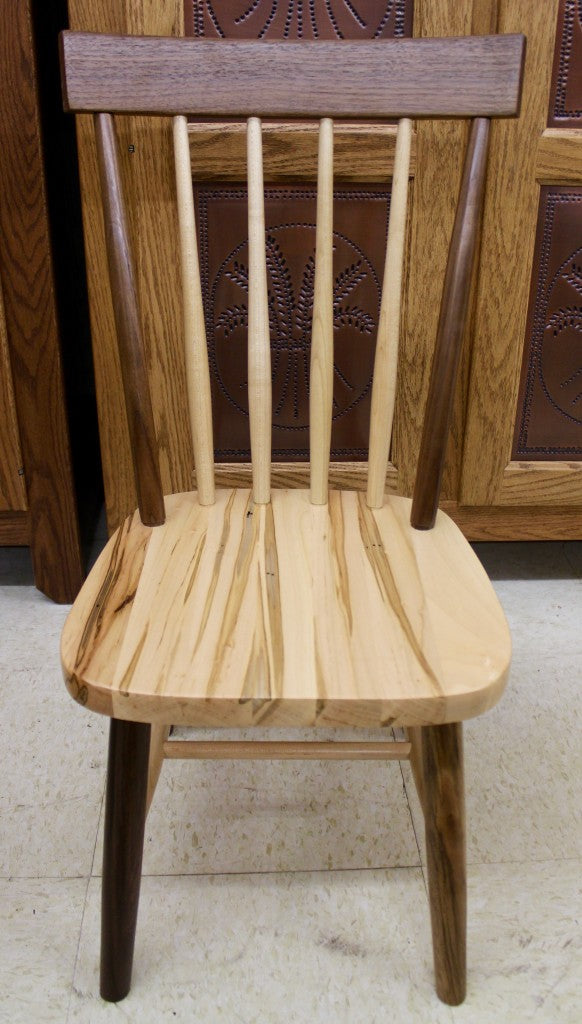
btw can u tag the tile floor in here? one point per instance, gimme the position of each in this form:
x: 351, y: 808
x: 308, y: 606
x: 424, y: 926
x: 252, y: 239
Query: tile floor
x: 296, y: 892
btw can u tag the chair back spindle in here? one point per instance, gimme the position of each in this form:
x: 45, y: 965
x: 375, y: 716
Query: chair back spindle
x: 196, y: 352
x: 122, y: 279
x: 321, y: 373
x: 386, y: 359
x: 259, y: 352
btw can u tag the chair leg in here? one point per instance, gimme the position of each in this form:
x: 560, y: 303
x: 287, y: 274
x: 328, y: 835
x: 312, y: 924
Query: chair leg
x: 442, y: 747
x: 125, y: 814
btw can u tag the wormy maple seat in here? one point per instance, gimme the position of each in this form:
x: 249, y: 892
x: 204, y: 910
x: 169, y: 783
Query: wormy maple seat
x: 297, y: 607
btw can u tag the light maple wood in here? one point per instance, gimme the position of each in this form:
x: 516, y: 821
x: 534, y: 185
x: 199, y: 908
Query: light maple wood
x: 321, y: 372
x: 259, y: 385
x: 158, y: 736
x: 259, y: 351
x: 196, y: 351
x: 464, y: 77
x: 386, y: 359
x: 361, y: 152
x: 287, y: 614
x: 266, y: 750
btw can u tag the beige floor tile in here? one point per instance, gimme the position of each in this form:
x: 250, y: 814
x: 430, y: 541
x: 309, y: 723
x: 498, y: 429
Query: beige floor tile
x: 215, y: 817
x: 349, y: 947
x: 51, y: 790
x: 524, y: 758
x: 525, y: 944
x: 41, y: 924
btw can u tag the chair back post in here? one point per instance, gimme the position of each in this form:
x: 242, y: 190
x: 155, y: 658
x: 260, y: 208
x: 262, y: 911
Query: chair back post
x: 451, y: 328
x: 128, y: 327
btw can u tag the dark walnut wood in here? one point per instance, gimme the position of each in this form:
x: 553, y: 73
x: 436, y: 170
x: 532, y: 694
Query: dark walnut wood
x: 452, y: 321
x: 131, y: 352
x: 26, y: 276
x: 125, y: 815
x: 444, y: 813
x: 457, y: 77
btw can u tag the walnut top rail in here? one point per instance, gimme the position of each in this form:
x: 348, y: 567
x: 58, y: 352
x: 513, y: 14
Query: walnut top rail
x: 475, y: 76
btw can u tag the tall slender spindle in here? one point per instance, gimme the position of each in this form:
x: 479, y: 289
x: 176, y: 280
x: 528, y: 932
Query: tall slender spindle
x: 321, y: 377
x: 259, y: 352
x: 196, y: 352
x: 386, y: 361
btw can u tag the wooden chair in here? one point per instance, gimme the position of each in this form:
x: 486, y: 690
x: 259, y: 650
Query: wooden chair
x: 260, y: 607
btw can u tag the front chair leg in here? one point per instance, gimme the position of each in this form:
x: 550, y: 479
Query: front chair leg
x: 125, y: 814
x: 442, y: 758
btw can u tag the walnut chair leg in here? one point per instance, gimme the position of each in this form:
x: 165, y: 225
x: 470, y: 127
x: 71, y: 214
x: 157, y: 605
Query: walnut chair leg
x: 125, y: 814
x: 442, y: 747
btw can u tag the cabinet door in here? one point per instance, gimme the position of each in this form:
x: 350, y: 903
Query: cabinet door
x: 12, y: 491
x: 523, y: 442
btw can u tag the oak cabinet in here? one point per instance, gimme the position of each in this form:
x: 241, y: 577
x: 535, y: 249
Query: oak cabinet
x: 37, y: 501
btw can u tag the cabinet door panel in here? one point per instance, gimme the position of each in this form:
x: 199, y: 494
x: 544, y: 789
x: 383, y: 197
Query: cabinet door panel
x: 524, y: 432
x: 12, y: 490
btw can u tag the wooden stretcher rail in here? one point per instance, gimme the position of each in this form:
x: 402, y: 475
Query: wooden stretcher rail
x: 286, y: 750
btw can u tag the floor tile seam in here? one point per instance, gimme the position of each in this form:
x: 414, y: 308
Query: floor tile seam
x: 268, y: 874
x: 412, y: 820
x: 521, y: 862
x: 77, y: 950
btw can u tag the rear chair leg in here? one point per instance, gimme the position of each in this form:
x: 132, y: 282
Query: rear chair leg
x: 444, y: 808
x: 125, y: 814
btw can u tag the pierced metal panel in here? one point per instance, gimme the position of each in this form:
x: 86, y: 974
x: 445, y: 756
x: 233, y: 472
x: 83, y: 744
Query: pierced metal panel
x: 566, y: 91
x: 549, y: 422
x: 299, y: 19
x: 360, y: 226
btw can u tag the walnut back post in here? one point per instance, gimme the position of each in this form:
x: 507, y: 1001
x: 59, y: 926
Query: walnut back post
x: 129, y: 338
x: 453, y: 317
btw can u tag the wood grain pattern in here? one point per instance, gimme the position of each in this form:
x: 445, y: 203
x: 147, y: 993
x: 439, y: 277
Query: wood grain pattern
x: 14, y: 529
x: 559, y: 159
x: 361, y: 152
x: 266, y: 750
x: 27, y: 285
x: 386, y: 360
x: 125, y: 308
x: 549, y: 483
x: 452, y: 321
x: 434, y: 193
x: 464, y: 77
x: 259, y: 351
x: 158, y: 737
x: 12, y: 489
x: 509, y: 224
x: 444, y: 807
x: 321, y: 371
x: 197, y: 374
x: 288, y: 613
